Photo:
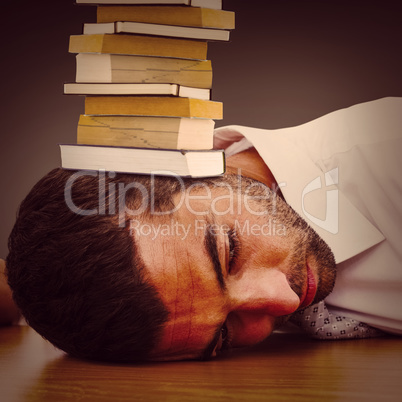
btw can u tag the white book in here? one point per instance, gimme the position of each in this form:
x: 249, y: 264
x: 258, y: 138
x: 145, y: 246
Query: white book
x: 215, y: 4
x: 167, y: 162
x: 156, y: 29
x: 136, y: 89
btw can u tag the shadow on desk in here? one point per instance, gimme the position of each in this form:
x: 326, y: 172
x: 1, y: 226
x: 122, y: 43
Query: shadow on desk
x: 285, y: 367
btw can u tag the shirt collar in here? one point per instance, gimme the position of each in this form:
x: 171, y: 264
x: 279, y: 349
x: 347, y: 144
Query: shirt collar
x: 312, y: 193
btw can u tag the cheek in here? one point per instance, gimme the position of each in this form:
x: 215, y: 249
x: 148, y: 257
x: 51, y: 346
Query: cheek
x: 267, y: 251
x: 250, y: 328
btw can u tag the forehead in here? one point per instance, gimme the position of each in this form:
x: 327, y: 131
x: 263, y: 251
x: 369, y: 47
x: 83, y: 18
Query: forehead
x: 179, y: 267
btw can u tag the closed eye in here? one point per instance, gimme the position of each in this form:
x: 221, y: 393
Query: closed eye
x: 225, y: 339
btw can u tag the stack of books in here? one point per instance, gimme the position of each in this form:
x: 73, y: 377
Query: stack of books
x: 144, y: 72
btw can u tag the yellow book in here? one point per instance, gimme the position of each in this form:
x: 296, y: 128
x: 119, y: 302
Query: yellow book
x: 115, y: 68
x: 153, y: 106
x: 168, y: 15
x: 146, y: 132
x: 138, y: 45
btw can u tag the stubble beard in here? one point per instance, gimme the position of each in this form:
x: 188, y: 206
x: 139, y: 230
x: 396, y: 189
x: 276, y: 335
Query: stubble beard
x: 299, y: 232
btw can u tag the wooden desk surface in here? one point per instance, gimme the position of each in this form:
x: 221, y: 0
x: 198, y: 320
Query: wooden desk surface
x: 286, y: 367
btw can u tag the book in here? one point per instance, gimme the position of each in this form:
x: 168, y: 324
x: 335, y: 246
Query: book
x: 202, y: 163
x: 167, y: 15
x: 135, y: 89
x: 216, y: 4
x: 146, y: 132
x: 153, y: 106
x: 156, y: 30
x: 111, y: 68
x: 139, y: 45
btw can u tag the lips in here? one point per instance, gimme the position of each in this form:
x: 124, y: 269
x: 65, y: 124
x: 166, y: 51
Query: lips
x: 311, y: 290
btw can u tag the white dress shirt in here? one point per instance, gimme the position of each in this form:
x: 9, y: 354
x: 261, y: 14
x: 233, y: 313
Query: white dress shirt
x: 343, y: 174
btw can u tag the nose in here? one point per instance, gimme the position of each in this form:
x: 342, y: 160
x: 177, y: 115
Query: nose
x: 265, y: 291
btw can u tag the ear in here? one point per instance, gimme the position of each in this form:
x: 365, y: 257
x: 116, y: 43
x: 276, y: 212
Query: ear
x: 250, y: 164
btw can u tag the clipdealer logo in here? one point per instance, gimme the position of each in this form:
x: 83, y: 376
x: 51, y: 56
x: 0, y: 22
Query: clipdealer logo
x: 318, y: 187
x: 331, y: 221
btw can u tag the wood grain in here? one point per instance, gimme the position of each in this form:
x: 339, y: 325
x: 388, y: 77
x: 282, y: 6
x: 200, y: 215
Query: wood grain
x: 287, y: 367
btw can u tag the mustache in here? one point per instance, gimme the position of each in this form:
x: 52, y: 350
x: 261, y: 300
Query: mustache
x: 326, y: 266
x: 298, y: 274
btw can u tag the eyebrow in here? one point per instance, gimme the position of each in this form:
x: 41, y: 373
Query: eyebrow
x: 212, y: 249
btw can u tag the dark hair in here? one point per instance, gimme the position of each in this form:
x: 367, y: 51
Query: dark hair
x: 78, y: 279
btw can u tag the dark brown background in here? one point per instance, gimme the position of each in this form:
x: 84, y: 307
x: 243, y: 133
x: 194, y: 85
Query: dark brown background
x: 289, y: 61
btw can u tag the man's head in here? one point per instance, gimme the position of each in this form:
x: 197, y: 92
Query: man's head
x: 230, y: 264
x: 134, y: 267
